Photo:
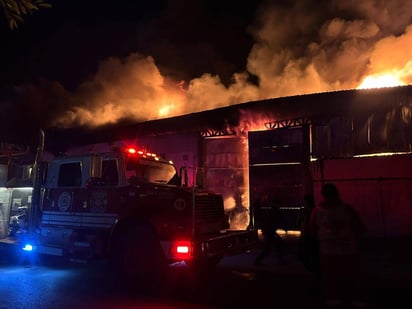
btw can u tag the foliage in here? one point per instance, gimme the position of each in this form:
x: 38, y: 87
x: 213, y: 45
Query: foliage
x: 15, y: 10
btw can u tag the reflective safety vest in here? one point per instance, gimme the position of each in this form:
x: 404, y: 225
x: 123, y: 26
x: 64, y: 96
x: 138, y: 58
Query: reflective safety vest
x: 337, y: 229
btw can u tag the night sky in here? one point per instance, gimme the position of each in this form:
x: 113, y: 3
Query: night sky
x: 67, y: 42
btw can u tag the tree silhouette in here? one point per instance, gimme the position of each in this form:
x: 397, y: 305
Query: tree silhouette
x: 15, y: 10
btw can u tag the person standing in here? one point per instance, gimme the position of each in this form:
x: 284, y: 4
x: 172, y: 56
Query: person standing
x: 339, y: 229
x: 308, y: 243
x: 269, y: 217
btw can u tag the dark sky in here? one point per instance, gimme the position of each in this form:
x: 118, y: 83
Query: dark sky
x: 67, y: 42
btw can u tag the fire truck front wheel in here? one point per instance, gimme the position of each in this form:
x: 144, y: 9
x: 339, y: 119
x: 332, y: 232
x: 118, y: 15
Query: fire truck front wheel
x: 137, y: 256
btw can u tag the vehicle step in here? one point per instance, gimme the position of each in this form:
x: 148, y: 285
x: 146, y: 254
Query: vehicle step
x: 79, y: 260
x: 82, y: 244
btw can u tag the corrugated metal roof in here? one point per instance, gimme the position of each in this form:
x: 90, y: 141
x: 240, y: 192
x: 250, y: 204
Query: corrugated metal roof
x: 318, y: 105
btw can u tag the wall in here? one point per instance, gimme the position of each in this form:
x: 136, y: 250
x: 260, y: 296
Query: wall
x: 379, y: 188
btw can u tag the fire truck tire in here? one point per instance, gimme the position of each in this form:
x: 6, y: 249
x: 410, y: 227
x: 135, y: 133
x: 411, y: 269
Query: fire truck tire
x: 207, y: 265
x: 137, y: 256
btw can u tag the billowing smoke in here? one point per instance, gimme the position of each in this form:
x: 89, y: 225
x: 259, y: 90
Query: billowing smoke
x: 333, y: 45
x: 134, y: 88
x: 300, y: 47
x: 124, y: 88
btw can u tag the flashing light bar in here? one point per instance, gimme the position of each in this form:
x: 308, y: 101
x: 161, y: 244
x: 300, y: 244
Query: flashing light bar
x: 134, y: 151
x: 131, y: 150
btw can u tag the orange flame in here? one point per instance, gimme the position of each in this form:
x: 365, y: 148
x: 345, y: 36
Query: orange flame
x: 381, y: 80
x: 388, y: 79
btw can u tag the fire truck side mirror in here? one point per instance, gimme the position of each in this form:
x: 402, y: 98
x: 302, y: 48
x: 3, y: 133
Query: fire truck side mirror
x: 199, y: 178
x: 95, y: 182
x: 183, y: 176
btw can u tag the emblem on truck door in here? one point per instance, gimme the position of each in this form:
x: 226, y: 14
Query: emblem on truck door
x: 64, y: 202
x: 98, y: 201
x: 180, y: 204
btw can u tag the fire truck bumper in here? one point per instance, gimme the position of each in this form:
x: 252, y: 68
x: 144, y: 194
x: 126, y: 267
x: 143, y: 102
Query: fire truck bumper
x: 49, y: 250
x: 229, y: 243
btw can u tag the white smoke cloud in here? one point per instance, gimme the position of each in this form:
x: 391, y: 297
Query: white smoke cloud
x: 208, y: 92
x: 299, y: 48
x: 392, y: 52
x: 128, y: 88
x: 290, y: 57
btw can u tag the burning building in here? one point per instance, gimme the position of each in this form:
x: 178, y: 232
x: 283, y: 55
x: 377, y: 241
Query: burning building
x: 287, y: 147
x: 296, y: 127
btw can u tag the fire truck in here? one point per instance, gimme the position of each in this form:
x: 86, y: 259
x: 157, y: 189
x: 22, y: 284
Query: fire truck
x: 127, y: 205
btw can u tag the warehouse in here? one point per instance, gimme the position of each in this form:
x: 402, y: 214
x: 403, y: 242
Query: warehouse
x: 289, y: 146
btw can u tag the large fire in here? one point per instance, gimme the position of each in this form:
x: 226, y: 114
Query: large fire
x: 381, y: 80
x: 391, y: 78
x: 297, y: 49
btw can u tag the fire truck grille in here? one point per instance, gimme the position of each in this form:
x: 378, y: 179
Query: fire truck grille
x: 208, y: 207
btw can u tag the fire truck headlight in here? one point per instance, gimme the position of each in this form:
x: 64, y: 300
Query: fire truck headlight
x: 28, y: 247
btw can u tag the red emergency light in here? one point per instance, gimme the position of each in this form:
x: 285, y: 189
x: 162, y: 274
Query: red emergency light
x: 131, y: 150
x: 135, y: 151
x: 182, y: 250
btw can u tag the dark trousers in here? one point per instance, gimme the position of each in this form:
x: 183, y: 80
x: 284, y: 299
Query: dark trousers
x: 271, y: 242
x: 343, y: 277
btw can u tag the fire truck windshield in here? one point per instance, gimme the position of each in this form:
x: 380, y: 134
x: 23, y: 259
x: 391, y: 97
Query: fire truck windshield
x: 142, y: 169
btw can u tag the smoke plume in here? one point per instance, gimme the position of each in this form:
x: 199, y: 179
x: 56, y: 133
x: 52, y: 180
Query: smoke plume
x: 299, y: 48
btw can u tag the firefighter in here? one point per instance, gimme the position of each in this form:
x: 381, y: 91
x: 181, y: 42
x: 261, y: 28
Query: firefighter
x: 339, y: 229
x: 269, y: 217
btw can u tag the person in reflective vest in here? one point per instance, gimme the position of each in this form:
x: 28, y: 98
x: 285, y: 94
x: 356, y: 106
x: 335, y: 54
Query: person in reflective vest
x: 339, y: 230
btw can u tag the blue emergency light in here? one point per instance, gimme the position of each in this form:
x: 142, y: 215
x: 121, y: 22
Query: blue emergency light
x: 28, y: 247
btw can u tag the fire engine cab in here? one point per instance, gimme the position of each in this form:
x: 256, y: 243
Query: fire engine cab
x: 127, y: 205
